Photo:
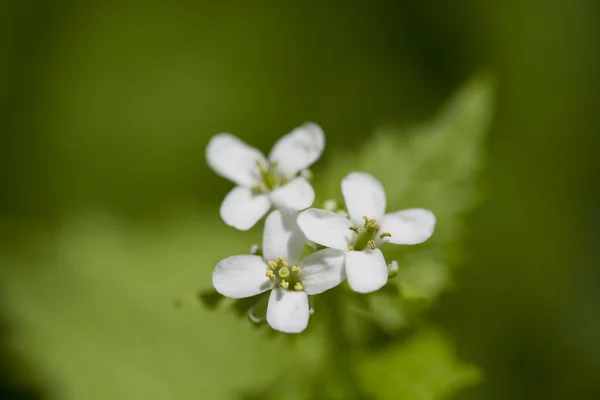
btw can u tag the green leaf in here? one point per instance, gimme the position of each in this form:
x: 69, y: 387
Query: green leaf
x: 109, y: 309
x: 423, y: 368
x: 434, y: 165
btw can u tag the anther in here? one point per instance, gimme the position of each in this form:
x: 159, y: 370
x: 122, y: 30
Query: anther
x: 281, y: 261
x: 298, y: 287
x: 385, y: 234
x: 284, y: 272
x: 371, y: 244
x: 295, y: 270
x: 263, y: 169
x: 258, y: 188
x: 269, y: 274
x: 284, y: 284
x: 350, y: 248
x: 371, y: 225
x: 354, y: 229
x: 272, y: 264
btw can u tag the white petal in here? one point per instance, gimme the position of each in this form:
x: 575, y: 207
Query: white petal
x: 366, y: 270
x: 411, y: 226
x: 242, y: 208
x: 233, y: 159
x: 241, y: 276
x: 282, y: 237
x: 364, y: 197
x: 298, y: 149
x: 322, y: 270
x: 288, y: 310
x: 295, y: 195
x: 326, y: 228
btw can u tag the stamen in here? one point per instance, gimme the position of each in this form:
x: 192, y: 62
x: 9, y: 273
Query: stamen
x: 284, y: 272
x: 350, y: 248
x: 371, y: 245
x: 272, y: 264
x: 354, y: 229
x: 262, y: 168
x: 298, y: 287
x: 258, y: 188
x: 295, y: 270
x: 284, y: 284
x: 385, y: 234
x: 281, y: 261
x: 371, y: 225
x: 270, y: 274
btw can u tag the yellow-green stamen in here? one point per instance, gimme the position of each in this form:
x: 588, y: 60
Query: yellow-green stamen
x: 284, y: 272
x: 282, y: 262
x: 271, y: 178
x: 284, y: 277
x: 367, y: 235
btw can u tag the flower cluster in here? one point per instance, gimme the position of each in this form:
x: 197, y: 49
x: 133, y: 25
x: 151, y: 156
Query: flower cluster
x: 341, y: 244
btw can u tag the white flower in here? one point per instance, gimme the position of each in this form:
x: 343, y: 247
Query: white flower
x: 367, y: 228
x: 263, y: 183
x: 254, y: 249
x: 280, y: 268
x: 330, y: 205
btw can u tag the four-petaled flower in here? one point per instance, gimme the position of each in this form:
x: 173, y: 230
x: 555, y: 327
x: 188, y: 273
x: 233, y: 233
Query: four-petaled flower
x: 263, y: 183
x: 367, y: 228
x: 281, y: 269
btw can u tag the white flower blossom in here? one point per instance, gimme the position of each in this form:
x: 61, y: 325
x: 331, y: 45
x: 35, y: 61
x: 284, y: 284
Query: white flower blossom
x: 367, y: 228
x: 281, y: 270
x: 254, y: 249
x: 330, y: 205
x: 393, y: 268
x: 263, y: 183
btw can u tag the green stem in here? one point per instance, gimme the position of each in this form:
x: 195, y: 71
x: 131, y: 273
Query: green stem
x: 341, y: 347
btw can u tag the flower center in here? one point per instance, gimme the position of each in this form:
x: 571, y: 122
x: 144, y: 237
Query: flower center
x: 271, y: 178
x: 367, y: 236
x: 284, y: 276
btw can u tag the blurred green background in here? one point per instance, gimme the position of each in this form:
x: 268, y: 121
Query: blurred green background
x: 484, y: 112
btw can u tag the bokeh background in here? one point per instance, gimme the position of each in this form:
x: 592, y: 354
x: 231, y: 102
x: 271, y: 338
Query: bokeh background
x: 483, y: 111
